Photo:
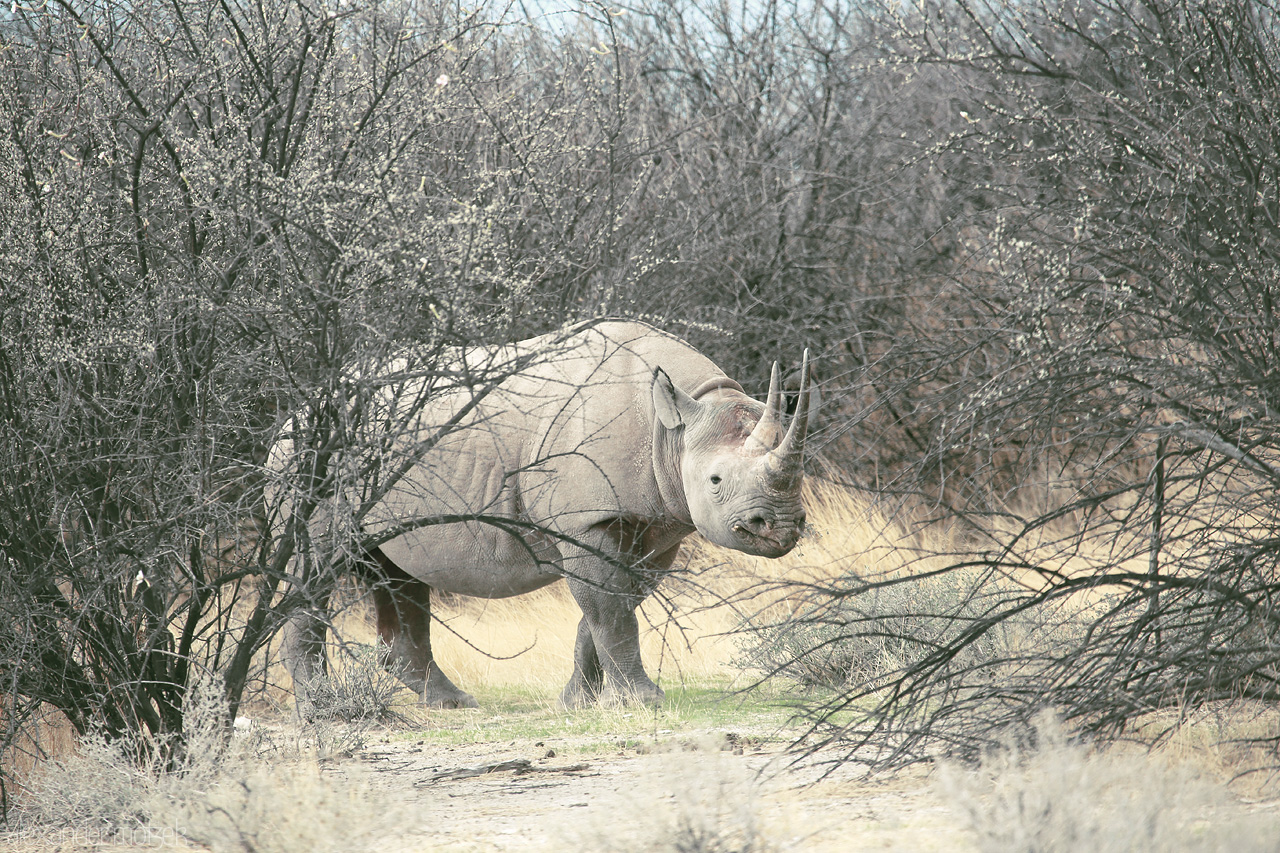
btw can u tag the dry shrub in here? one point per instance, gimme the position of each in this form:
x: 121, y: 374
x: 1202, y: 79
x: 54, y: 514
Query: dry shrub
x: 225, y: 798
x: 96, y: 789
x: 688, y: 802
x: 869, y: 638
x: 357, y: 688
x: 277, y: 807
x: 112, y: 786
x: 1042, y: 791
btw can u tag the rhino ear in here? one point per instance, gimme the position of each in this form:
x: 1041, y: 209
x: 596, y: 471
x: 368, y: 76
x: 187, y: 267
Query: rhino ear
x: 670, y: 404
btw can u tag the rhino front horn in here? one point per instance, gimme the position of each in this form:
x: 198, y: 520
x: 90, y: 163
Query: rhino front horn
x: 764, y: 438
x: 787, y: 459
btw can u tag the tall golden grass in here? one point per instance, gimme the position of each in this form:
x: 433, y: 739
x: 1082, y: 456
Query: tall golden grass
x: 49, y: 734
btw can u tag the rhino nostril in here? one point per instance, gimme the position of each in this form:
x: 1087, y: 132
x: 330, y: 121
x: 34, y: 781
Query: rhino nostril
x: 756, y: 523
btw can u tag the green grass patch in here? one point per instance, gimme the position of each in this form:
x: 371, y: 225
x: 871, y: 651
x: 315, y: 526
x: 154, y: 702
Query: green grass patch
x: 516, y: 715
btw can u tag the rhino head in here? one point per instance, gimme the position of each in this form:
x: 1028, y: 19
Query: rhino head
x: 741, y: 473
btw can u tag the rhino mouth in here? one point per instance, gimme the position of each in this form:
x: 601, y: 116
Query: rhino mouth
x: 775, y: 545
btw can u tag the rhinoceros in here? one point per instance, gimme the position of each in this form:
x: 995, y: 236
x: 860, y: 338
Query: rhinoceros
x: 592, y: 462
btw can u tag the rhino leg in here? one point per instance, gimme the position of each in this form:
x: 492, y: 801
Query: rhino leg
x: 304, y: 656
x: 588, y: 675
x: 403, y: 606
x: 615, y: 638
x: 609, y: 635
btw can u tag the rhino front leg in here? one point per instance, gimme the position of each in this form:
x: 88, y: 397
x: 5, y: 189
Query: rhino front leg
x: 614, y: 631
x: 609, y: 635
x: 588, y: 675
x: 403, y: 607
x: 304, y: 656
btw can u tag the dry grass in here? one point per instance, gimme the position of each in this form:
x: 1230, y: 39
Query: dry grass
x: 221, y: 799
x: 686, y: 802
x: 1061, y: 795
x: 1230, y: 741
x: 282, y: 806
x: 848, y: 533
x: 849, y: 536
x: 49, y: 734
x: 528, y: 641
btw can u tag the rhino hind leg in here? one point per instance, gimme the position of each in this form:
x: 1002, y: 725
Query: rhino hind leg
x: 403, y: 606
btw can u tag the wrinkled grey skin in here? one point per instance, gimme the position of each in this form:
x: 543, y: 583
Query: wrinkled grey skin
x: 607, y: 453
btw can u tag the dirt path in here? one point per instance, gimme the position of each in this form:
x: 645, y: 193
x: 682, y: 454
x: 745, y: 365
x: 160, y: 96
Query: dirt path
x: 526, y: 796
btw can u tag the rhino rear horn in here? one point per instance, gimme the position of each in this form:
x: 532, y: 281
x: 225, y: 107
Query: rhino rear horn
x: 787, y: 459
x: 764, y: 437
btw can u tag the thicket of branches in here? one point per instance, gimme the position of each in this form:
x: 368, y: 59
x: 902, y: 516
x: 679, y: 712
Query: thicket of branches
x: 1035, y: 247
x: 1106, y: 440
x: 217, y: 216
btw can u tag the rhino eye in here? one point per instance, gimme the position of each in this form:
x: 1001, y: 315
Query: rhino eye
x: 715, y: 479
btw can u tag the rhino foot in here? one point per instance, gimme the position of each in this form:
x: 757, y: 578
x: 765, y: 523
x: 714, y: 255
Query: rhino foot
x: 440, y: 692
x: 582, y: 695
x: 461, y: 700
x: 632, y: 694
x: 578, y: 695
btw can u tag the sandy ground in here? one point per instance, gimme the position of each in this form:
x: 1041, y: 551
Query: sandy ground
x: 526, y: 796
x: 699, y: 793
x: 702, y: 790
